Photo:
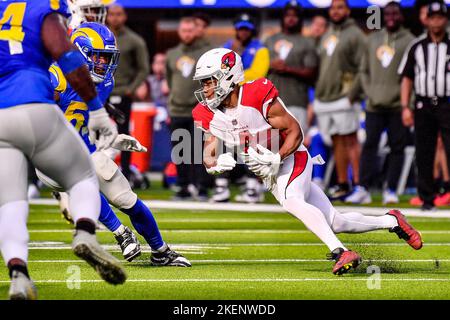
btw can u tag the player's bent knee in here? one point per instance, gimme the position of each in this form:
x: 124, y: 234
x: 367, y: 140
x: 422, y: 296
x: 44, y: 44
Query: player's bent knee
x: 125, y: 200
x: 339, y: 224
x: 117, y: 190
x: 292, y: 203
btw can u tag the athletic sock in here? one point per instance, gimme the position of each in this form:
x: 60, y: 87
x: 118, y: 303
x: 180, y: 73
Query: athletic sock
x: 85, y: 225
x: 13, y: 231
x: 120, y: 230
x: 18, y: 265
x: 163, y: 248
x: 107, y: 215
x: 84, y: 200
x: 143, y: 221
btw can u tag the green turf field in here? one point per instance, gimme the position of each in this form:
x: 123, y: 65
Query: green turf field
x: 241, y: 256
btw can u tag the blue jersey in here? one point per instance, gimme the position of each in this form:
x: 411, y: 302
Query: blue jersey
x: 74, y: 108
x: 248, y: 55
x: 24, y: 62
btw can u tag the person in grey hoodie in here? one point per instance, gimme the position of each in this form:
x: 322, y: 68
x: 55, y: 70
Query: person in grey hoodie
x: 180, y: 68
x: 338, y: 91
x: 381, y: 84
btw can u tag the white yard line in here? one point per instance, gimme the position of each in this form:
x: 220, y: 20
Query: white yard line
x: 342, y: 279
x: 191, y: 205
x: 227, y: 246
x: 206, y: 261
x: 250, y: 231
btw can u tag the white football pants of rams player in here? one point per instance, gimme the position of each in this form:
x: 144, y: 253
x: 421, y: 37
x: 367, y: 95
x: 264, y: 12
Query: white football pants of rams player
x: 40, y: 133
x: 113, y: 183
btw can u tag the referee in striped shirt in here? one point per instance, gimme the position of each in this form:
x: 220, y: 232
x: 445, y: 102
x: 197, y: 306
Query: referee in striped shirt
x: 426, y: 68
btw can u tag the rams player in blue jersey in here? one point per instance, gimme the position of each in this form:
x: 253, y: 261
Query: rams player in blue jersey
x: 32, y: 34
x: 98, y: 46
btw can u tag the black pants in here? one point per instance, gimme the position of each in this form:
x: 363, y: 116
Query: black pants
x: 376, y: 122
x: 429, y: 121
x: 125, y: 107
x: 191, y: 171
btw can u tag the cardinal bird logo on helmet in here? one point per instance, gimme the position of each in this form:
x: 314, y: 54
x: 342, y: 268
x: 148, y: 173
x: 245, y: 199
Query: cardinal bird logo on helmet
x: 228, y: 60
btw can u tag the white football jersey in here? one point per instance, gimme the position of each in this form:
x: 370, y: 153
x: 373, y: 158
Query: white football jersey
x: 245, y: 124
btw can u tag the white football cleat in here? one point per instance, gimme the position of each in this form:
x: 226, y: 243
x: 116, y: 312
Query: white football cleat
x: 359, y: 195
x: 390, y: 197
x: 169, y: 258
x: 254, y: 192
x: 250, y: 196
x: 221, y: 191
x: 22, y: 287
x: 129, y: 244
x: 86, y: 247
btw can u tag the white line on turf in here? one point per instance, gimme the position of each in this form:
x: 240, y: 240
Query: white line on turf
x: 225, y: 220
x: 342, y: 279
x: 257, y: 261
x: 191, y: 205
x: 277, y: 231
x: 195, y: 247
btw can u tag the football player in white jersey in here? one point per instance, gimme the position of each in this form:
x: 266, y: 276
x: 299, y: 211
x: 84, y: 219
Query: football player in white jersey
x: 86, y: 11
x: 253, y: 118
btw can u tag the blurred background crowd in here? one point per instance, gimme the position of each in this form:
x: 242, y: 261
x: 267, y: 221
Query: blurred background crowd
x: 338, y: 74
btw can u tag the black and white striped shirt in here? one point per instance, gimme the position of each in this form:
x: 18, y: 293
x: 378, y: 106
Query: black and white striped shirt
x: 428, y: 64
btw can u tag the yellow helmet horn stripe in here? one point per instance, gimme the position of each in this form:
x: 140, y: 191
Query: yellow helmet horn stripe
x: 62, y: 82
x: 97, y: 41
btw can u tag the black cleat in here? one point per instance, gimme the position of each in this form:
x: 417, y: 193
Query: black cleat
x: 169, y: 258
x: 129, y: 244
x: 182, y: 195
x: 339, y: 192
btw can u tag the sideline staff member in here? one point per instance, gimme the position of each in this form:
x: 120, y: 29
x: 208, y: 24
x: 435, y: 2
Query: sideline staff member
x: 426, y: 68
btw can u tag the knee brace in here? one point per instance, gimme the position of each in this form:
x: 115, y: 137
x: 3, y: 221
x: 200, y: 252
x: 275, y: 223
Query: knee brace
x: 113, y: 183
x: 124, y: 200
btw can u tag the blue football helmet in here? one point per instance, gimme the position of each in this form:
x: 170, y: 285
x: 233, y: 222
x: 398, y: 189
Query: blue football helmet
x: 98, y: 45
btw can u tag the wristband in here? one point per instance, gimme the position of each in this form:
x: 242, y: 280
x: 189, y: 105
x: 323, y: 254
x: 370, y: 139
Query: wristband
x: 94, y: 104
x: 70, y: 61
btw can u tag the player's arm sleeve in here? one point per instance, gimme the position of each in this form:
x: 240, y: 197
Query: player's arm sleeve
x: 311, y: 59
x: 168, y: 71
x: 359, y: 49
x: 406, y: 67
x: 142, y: 65
x: 54, y: 6
x: 365, y: 72
x: 105, y: 92
x: 260, y: 65
x: 202, y: 117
